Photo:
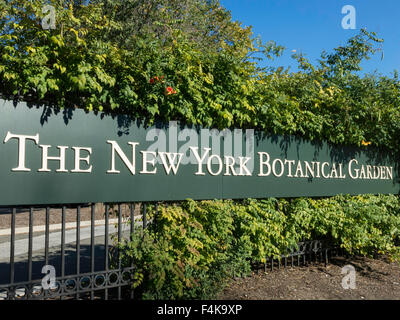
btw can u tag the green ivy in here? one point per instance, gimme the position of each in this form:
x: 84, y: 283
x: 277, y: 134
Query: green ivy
x: 82, y: 64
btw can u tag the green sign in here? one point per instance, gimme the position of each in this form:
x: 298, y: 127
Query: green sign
x: 50, y: 156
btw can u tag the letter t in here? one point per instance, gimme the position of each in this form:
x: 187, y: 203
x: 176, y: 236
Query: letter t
x: 21, y: 148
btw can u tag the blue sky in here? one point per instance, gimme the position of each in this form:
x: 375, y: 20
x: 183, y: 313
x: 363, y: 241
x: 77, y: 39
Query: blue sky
x: 310, y: 26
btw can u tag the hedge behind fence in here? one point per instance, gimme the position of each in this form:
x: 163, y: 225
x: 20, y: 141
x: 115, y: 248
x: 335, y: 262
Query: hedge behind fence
x: 196, y: 246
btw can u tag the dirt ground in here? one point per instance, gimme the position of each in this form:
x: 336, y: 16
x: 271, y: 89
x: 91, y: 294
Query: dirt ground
x: 375, y: 280
x: 39, y: 215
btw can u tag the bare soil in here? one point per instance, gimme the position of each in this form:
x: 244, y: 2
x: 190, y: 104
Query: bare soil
x: 375, y: 280
x: 39, y: 215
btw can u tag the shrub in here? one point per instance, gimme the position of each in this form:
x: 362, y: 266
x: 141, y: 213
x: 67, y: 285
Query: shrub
x: 188, y: 253
x: 194, y: 247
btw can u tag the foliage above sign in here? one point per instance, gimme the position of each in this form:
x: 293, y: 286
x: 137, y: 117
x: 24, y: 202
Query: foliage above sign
x: 71, y: 156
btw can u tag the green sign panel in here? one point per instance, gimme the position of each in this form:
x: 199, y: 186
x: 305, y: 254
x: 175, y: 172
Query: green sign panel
x: 69, y: 156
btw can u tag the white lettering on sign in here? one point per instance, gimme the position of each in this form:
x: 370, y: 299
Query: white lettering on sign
x: 324, y: 174
x: 206, y: 160
x: 219, y: 162
x: 229, y: 165
x: 242, y: 166
x: 171, y: 161
x: 147, y: 161
x: 200, y: 161
x: 78, y: 160
x: 46, y: 158
x: 116, y: 149
x: 282, y: 168
x: 264, y: 163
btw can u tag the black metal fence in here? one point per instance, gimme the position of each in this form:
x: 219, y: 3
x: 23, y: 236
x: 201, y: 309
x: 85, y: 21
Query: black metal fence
x: 82, y: 251
x: 81, y: 257
x: 306, y: 252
